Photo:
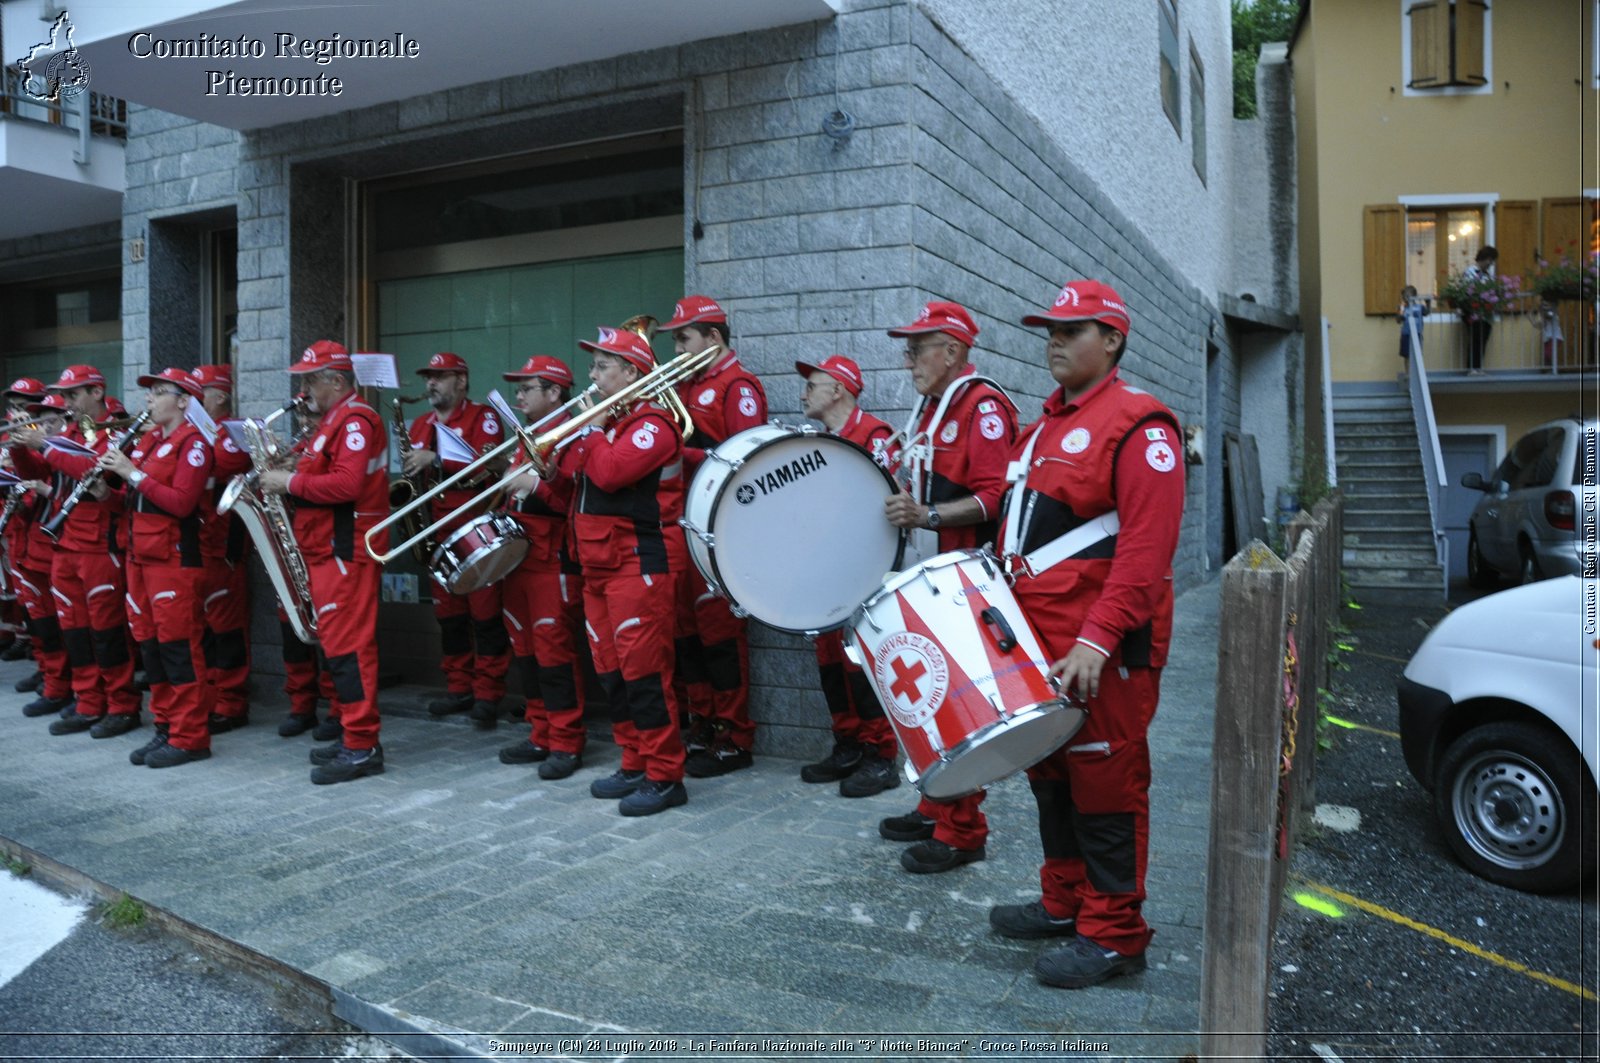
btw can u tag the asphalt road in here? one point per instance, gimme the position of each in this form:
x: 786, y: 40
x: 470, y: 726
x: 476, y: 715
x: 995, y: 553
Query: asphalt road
x: 143, y: 995
x: 1362, y: 984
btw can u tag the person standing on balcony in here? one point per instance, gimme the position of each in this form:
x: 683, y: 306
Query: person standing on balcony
x: 1478, y: 327
x: 1413, y: 312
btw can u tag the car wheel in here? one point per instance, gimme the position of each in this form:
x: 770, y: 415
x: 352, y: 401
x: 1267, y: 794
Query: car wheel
x: 1528, y: 570
x: 1479, y: 574
x: 1517, y: 807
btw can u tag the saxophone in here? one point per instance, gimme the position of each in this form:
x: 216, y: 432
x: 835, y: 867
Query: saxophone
x: 404, y: 488
x: 266, y: 518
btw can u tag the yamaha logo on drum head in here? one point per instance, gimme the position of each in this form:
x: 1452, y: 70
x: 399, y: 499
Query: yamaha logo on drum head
x: 911, y: 671
x: 745, y: 494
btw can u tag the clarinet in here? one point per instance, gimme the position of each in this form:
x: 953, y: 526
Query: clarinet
x: 53, y: 527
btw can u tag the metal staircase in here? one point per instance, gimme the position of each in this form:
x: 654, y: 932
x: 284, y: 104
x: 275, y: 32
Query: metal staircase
x: 1388, y: 533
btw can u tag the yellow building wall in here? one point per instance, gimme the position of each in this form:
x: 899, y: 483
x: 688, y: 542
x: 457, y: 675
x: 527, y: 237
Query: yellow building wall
x: 1527, y: 140
x: 1517, y: 417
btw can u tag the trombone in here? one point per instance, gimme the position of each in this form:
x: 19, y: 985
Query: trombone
x: 660, y: 383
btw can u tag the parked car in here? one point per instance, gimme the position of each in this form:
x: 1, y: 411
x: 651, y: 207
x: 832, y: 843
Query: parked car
x: 1526, y: 526
x: 1498, y: 720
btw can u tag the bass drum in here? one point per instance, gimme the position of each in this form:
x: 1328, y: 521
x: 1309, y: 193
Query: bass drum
x: 787, y: 524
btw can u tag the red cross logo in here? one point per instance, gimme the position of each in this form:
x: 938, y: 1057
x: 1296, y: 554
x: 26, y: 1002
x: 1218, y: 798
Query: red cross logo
x: 905, y: 679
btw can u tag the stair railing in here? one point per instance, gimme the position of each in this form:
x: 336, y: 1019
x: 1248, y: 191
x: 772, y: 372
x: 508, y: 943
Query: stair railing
x: 1428, y: 443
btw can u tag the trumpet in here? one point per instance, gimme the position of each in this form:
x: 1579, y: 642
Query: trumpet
x: 658, y: 384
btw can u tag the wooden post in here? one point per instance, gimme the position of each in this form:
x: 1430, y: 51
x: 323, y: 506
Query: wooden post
x: 1244, y: 781
x: 1302, y: 598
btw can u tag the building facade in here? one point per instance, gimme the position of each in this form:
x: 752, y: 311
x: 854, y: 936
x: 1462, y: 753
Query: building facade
x: 821, y: 178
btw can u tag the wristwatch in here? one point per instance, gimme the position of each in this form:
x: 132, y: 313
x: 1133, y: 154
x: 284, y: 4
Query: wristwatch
x: 136, y: 477
x: 934, y: 520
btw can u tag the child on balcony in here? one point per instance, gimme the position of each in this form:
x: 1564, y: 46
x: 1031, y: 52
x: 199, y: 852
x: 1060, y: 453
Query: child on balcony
x: 1413, y: 311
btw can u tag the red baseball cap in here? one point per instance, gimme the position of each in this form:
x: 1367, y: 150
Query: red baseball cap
x: 624, y: 344
x: 324, y: 354
x: 545, y: 368
x: 444, y: 362
x: 949, y: 318
x: 695, y: 310
x: 179, y: 377
x: 26, y: 387
x: 214, y: 376
x: 78, y: 376
x: 1085, y: 301
x: 837, y: 366
x: 50, y: 402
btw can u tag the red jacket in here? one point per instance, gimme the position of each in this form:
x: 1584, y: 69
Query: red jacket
x: 95, y: 526
x: 865, y: 430
x: 166, y: 519
x: 543, y: 512
x: 1116, y: 447
x: 341, y: 486
x: 970, y: 454
x: 630, y: 495
x: 481, y: 429
x: 724, y: 400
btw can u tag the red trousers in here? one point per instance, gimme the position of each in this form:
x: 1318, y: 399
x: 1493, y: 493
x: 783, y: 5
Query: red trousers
x: 472, y: 635
x: 89, y: 590
x: 960, y: 824
x: 543, y: 611
x: 345, y: 594
x: 304, y: 678
x: 45, y: 627
x: 1094, y: 813
x: 713, y: 648
x: 167, y: 616
x: 857, y: 714
x: 226, y: 641
x: 630, y: 637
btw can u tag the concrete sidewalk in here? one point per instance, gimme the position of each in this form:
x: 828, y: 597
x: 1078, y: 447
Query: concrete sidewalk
x: 466, y: 899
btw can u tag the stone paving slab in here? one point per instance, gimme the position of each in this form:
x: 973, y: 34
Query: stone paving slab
x: 454, y: 893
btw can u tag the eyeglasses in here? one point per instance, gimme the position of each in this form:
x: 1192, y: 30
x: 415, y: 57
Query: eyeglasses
x: 537, y: 385
x: 157, y: 393
x: 812, y: 385
x: 914, y: 351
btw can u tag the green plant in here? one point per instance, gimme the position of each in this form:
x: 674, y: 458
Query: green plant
x: 124, y: 913
x: 1478, y: 296
x: 1254, y: 24
x: 17, y: 865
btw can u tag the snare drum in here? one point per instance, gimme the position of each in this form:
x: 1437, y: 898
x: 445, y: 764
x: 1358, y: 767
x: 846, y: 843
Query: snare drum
x: 481, y: 551
x: 788, y: 525
x: 961, y: 674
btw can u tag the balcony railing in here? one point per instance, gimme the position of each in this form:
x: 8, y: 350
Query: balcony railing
x: 1529, y: 338
x: 108, y: 115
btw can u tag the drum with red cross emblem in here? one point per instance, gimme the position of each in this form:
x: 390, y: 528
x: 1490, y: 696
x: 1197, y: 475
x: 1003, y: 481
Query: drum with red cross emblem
x: 961, y: 674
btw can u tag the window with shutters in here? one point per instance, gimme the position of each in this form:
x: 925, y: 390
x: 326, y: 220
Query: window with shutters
x: 1445, y: 47
x: 1423, y: 239
x: 1171, y: 103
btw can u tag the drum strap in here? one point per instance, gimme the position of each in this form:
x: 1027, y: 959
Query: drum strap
x: 917, y: 457
x: 1019, y: 511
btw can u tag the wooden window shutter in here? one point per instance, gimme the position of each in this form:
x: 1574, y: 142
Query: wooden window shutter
x: 1383, y: 233
x: 1468, y: 58
x: 1430, y: 44
x: 1516, y: 236
x: 1564, y: 230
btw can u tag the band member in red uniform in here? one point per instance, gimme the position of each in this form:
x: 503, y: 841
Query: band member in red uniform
x: 30, y: 550
x: 166, y: 474
x: 87, y: 576
x: 629, y: 500
x: 962, y: 434
x: 864, y: 748
x: 472, y: 633
x: 226, y: 642
x: 340, y: 489
x: 14, y: 632
x: 1090, y: 530
x: 305, y: 676
x: 713, y: 645
x: 544, y: 595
